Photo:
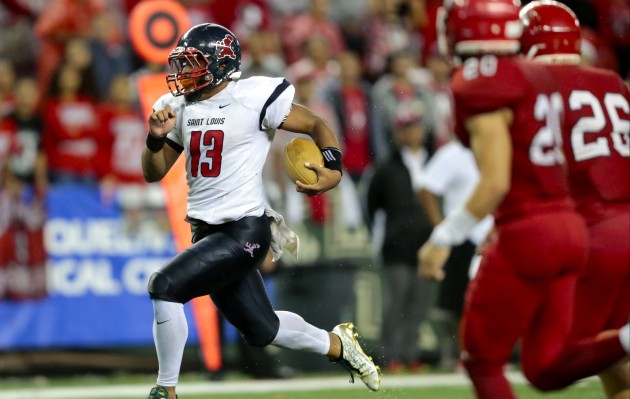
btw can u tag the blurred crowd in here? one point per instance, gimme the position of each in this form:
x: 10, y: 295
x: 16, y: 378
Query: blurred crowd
x: 69, y: 111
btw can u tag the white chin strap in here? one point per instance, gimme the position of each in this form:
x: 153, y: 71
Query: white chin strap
x: 236, y: 75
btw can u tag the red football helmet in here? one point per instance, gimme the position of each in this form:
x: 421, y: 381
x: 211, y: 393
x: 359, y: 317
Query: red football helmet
x: 472, y: 27
x: 551, y: 32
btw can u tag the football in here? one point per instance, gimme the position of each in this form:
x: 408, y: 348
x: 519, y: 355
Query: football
x: 297, y: 152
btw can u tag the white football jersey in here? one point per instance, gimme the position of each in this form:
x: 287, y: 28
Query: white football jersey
x: 226, y: 139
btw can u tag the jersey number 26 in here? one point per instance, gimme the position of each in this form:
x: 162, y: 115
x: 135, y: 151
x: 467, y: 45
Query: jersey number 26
x: 583, y: 150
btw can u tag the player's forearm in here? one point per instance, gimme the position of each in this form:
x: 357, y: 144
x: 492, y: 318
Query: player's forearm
x: 486, y: 198
x: 322, y: 134
x: 154, y: 165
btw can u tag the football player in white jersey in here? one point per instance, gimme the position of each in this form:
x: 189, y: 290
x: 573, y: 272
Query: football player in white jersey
x: 224, y: 127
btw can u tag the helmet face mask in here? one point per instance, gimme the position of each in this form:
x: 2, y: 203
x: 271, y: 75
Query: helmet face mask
x: 188, y: 71
x: 206, y: 55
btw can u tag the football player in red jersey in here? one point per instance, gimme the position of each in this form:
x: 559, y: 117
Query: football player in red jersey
x: 597, y: 148
x: 508, y: 110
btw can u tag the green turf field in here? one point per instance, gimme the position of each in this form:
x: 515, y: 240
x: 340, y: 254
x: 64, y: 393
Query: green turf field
x: 591, y: 391
x: 425, y: 386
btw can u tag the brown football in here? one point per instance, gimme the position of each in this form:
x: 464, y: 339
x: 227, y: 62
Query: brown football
x: 297, y: 152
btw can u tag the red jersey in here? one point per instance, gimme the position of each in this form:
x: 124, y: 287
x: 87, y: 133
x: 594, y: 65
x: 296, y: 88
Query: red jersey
x: 8, y: 140
x: 596, y: 139
x: 125, y: 131
x: 538, y: 176
x: 356, y: 134
x: 71, y: 133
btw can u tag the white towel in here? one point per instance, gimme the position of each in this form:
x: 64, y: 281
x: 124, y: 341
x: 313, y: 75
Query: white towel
x: 282, y: 237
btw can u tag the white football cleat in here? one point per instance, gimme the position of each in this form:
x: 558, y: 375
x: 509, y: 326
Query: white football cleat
x: 354, y: 359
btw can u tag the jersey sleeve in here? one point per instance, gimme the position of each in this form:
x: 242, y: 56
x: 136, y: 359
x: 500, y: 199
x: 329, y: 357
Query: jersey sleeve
x: 277, y: 105
x: 174, y: 137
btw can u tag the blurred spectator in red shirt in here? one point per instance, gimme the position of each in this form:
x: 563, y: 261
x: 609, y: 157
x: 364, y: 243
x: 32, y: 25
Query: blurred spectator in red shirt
x: 71, y: 129
x: 7, y: 80
x: 350, y: 97
x: 296, y: 29
x: 60, y: 22
x: 125, y: 129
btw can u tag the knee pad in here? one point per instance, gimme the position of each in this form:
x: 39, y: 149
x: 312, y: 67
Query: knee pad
x: 158, y: 286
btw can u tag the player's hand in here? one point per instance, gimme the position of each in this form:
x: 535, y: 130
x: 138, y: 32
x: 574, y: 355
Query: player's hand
x: 326, y: 179
x: 431, y: 260
x: 162, y: 122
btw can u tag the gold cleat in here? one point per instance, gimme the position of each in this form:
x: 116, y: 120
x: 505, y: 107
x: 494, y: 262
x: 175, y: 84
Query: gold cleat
x: 354, y: 359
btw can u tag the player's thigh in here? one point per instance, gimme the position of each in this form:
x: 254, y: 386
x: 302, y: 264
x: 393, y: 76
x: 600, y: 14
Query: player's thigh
x: 246, y: 305
x: 607, y: 271
x: 217, y: 260
x: 549, y: 329
x: 515, y: 277
x: 546, y: 245
x: 499, y: 305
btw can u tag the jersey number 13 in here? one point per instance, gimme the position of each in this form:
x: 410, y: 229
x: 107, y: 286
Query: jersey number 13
x: 208, y: 162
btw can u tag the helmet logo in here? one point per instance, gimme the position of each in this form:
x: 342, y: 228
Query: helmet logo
x: 224, y: 48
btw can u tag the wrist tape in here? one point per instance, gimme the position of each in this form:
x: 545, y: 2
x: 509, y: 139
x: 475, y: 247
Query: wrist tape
x: 155, y: 144
x: 454, y: 229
